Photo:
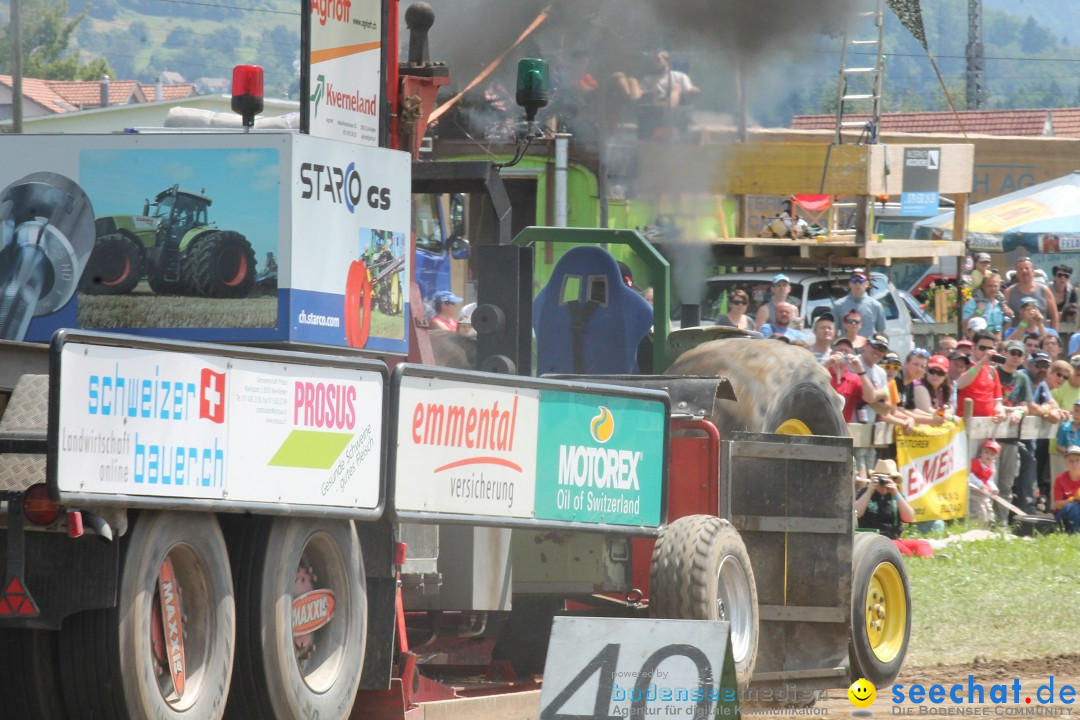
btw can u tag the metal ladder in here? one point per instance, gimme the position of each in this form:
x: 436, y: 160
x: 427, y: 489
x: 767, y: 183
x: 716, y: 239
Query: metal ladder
x: 859, y: 88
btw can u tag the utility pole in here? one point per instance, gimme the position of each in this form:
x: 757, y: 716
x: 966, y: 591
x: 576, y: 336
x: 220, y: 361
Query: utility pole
x: 16, y: 69
x: 976, y: 58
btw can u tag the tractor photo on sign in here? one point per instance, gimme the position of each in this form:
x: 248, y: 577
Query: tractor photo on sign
x: 200, y: 235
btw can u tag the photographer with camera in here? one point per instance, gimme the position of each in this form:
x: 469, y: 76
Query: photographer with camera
x: 879, y: 505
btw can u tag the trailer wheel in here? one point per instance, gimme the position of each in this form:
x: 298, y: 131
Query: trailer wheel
x: 780, y: 388
x: 166, y: 650
x: 30, y: 675
x: 303, y: 619
x: 114, y: 267
x: 701, y: 571
x: 880, y: 610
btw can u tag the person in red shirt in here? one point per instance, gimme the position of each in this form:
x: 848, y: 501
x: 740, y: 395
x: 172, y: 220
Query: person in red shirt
x: 982, y: 468
x: 981, y: 382
x: 1067, y: 492
x: 446, y: 311
x: 848, y: 377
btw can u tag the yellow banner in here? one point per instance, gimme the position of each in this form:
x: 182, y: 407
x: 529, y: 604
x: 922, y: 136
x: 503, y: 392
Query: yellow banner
x: 934, y: 463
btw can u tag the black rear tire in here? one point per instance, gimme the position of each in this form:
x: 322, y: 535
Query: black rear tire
x: 279, y: 677
x: 780, y: 388
x: 30, y: 675
x: 108, y: 663
x: 879, y: 594
x: 701, y: 571
x: 219, y: 265
x: 115, y: 266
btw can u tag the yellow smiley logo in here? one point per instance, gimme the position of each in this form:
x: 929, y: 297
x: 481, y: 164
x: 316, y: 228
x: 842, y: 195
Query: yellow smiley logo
x: 862, y: 693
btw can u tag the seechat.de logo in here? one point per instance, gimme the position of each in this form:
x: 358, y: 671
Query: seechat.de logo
x: 602, y: 426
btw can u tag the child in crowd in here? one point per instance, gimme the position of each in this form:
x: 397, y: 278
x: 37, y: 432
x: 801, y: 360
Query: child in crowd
x: 1068, y: 433
x: 1067, y: 492
x: 983, y: 466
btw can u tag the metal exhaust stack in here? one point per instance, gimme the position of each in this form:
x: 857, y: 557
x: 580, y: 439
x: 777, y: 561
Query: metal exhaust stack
x: 691, y: 315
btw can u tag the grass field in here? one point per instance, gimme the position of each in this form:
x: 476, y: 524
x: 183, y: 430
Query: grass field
x: 143, y: 309
x: 997, y: 598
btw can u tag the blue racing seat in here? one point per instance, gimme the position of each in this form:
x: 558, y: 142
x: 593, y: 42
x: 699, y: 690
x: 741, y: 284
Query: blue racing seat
x: 587, y: 320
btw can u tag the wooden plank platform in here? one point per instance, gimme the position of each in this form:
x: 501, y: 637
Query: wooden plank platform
x: 838, y: 251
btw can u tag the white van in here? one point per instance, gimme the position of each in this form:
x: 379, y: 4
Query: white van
x: 811, y: 289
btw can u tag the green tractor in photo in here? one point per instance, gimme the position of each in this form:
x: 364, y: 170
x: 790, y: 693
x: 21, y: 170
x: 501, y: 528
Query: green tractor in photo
x: 175, y: 246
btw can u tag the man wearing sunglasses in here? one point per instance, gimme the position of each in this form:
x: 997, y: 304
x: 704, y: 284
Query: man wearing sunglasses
x: 1016, y: 467
x: 980, y: 382
x: 873, y: 315
x: 1044, y: 406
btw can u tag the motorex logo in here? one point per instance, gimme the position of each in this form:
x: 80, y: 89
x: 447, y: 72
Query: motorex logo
x: 317, y: 96
x: 602, y: 426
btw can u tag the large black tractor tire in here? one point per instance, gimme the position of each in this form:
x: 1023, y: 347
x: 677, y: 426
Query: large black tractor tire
x: 219, y: 265
x: 880, y: 610
x: 114, y: 662
x: 30, y: 675
x: 115, y: 266
x: 701, y: 571
x: 780, y: 388
x: 281, y: 676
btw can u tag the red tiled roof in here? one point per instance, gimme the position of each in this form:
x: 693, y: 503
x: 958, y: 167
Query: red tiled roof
x: 39, y: 92
x: 87, y: 93
x: 168, y: 92
x: 1065, y: 122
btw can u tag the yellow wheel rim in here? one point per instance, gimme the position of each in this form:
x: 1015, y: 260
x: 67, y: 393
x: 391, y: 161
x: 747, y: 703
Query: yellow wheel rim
x: 886, y: 612
x: 793, y: 427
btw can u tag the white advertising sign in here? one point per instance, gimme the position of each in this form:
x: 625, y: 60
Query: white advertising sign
x: 346, y: 70
x: 352, y: 209
x: 466, y: 448
x: 174, y: 425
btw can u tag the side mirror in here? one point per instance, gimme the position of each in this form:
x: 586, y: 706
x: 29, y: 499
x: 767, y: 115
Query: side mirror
x: 457, y: 215
x: 459, y: 248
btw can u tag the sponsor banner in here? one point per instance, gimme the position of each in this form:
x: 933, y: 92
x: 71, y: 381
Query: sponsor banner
x: 935, y: 469
x: 524, y: 453
x: 920, y: 188
x: 173, y: 425
x: 352, y: 209
x: 466, y: 448
x: 601, y: 459
x: 346, y: 70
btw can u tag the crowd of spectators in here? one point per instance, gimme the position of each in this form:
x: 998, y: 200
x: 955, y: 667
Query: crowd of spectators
x: 1011, y: 363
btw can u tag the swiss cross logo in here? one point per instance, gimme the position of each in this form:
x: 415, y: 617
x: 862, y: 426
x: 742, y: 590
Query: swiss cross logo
x: 212, y: 396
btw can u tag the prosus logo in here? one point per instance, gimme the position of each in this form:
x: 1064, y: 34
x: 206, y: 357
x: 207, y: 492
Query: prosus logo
x: 311, y: 611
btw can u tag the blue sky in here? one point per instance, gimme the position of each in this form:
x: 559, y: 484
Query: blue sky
x: 242, y: 183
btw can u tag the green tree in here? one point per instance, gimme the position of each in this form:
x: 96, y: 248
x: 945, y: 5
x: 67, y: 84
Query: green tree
x: 1034, y: 38
x: 46, y: 39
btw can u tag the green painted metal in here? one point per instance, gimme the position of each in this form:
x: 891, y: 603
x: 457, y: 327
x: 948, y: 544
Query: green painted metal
x: 659, y: 270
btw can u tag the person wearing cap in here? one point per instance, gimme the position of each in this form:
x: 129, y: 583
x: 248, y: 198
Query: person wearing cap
x: 881, y: 506
x: 1026, y: 286
x: 848, y: 377
x: 987, y: 306
x: 824, y: 329
x: 1066, y: 498
x: 1018, y: 465
x: 785, y: 314
x: 1064, y: 293
x: 858, y: 298
x: 983, y: 465
x: 940, y: 387
x: 1031, y: 322
x: 875, y: 354
x: 464, y: 321
x: 445, y: 317
x: 781, y: 289
x: 975, y: 325
x: 1042, y: 406
x: 982, y: 267
x: 959, y: 363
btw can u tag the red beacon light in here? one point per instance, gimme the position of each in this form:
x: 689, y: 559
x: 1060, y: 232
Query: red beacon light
x: 247, y: 92
x: 38, y: 507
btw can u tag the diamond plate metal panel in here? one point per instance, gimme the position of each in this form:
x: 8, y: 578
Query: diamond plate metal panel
x: 27, y: 413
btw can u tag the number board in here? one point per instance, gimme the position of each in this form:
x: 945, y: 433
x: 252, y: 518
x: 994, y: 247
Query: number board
x: 603, y: 668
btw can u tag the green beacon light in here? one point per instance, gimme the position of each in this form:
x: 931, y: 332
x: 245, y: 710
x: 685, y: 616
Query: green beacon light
x: 532, y: 86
